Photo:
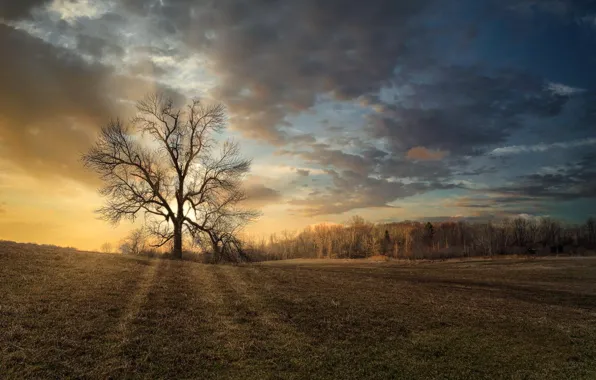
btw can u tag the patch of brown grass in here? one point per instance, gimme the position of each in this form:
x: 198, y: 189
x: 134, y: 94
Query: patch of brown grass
x: 377, y: 258
x: 65, y: 314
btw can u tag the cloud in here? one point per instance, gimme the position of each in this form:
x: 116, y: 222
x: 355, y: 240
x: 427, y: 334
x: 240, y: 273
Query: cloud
x: 563, y: 90
x: 369, y: 161
x: 274, y: 59
x: 496, y: 202
x: 565, y: 9
x: 70, y: 10
x: 462, y: 110
x: 351, y: 190
x: 325, y: 156
x: 542, y: 147
x: 421, y: 153
x: 557, y: 7
x: 273, y: 63
x: 484, y: 169
x: 350, y: 54
x: 18, y: 9
x: 576, y: 180
x: 52, y: 102
x: 367, y: 177
x: 258, y: 195
x: 53, y: 93
x: 480, y: 218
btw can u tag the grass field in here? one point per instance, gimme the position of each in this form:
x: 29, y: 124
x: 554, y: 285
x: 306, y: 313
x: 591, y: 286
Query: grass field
x: 85, y: 315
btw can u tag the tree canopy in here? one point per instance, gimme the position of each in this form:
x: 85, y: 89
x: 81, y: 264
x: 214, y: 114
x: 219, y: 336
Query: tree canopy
x: 168, y: 165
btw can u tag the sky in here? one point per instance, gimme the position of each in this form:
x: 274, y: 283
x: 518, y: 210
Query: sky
x: 389, y: 109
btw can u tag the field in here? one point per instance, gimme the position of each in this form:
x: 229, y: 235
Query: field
x: 87, y: 315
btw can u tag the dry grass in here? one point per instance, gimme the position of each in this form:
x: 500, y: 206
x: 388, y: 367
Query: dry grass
x: 99, y: 316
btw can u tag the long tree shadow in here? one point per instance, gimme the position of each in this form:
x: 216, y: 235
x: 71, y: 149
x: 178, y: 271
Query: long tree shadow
x: 167, y: 335
x: 267, y: 344
x: 70, y: 315
x: 118, y: 361
x: 194, y: 324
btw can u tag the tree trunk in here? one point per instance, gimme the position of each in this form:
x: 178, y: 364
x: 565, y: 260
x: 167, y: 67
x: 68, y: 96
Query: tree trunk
x: 216, y: 251
x: 177, y: 252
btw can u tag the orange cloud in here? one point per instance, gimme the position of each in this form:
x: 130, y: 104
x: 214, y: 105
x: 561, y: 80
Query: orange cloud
x: 421, y: 153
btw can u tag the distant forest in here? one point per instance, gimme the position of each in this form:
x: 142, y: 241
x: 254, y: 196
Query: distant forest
x: 418, y: 240
x: 359, y: 238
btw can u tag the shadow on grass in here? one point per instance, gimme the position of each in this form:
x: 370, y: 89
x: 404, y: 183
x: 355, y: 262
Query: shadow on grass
x: 526, y: 293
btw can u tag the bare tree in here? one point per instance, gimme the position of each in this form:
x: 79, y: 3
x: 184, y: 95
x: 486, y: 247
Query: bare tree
x: 164, y: 165
x: 106, y: 247
x: 591, y: 230
x: 134, y: 243
x: 520, y: 231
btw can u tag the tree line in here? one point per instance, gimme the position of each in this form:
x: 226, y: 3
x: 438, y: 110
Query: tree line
x: 359, y: 238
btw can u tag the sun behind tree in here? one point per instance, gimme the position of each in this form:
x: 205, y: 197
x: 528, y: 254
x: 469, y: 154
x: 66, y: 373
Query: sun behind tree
x: 176, y: 179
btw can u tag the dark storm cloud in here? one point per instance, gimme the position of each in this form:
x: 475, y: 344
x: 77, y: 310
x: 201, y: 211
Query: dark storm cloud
x: 274, y: 57
x: 274, y: 60
x: 18, y: 9
x: 576, y: 180
x: 535, y: 193
x: 98, y: 38
x: 46, y: 93
x: 463, y: 110
x: 351, y: 190
x: 98, y: 47
x: 324, y: 156
x: 398, y: 166
x: 367, y: 178
x: 477, y: 171
x: 52, y: 102
x: 496, y: 201
x: 570, y: 9
x: 369, y: 161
